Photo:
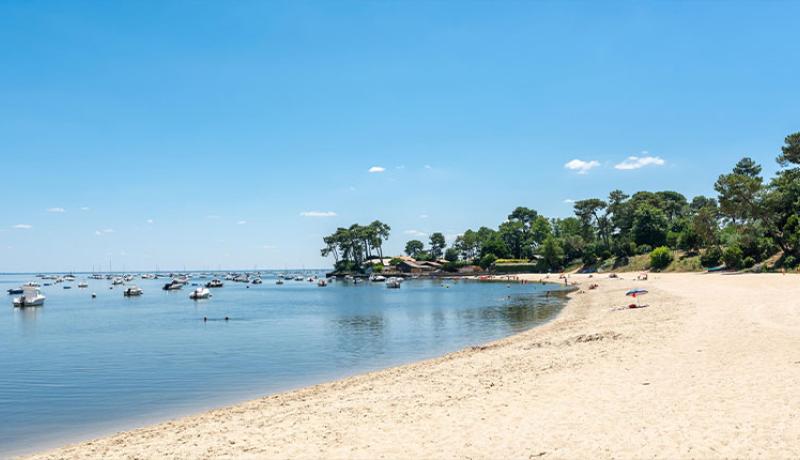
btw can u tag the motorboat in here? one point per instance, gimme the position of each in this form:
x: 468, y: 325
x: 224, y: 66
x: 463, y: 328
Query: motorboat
x: 172, y: 286
x: 117, y: 281
x: 132, y: 291
x: 14, y: 291
x: 83, y: 284
x: 215, y: 283
x: 257, y: 281
x: 393, y: 283
x: 31, y: 284
x: 67, y: 287
x: 322, y: 283
x: 279, y: 282
x: 377, y: 278
x: 200, y: 293
x: 31, y: 297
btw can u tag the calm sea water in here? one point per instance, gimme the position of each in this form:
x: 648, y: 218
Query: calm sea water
x: 80, y: 367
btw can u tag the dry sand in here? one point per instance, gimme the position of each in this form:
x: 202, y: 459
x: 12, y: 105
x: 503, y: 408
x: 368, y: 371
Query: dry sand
x: 710, y: 369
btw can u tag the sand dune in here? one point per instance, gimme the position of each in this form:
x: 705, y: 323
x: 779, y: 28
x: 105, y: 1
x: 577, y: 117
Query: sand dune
x: 710, y: 369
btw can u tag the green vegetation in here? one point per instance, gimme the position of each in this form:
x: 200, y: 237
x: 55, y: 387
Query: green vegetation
x: 660, y: 258
x: 351, y: 247
x: 750, y: 222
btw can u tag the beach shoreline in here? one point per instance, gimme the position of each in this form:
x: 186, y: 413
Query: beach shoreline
x: 598, y: 379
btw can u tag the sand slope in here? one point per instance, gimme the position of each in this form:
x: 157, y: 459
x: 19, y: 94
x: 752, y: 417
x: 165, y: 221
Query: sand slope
x: 710, y: 369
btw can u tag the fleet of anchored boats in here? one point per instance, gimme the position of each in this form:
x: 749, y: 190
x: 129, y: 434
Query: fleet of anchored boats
x: 29, y: 294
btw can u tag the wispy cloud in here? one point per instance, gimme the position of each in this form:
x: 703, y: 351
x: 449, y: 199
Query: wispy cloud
x: 150, y: 221
x: 23, y: 226
x: 377, y: 169
x: 213, y: 217
x: 423, y: 216
x: 634, y: 162
x: 56, y: 210
x: 416, y: 233
x: 569, y: 201
x: 104, y: 231
x: 318, y: 214
x: 84, y: 208
x: 581, y: 166
x: 428, y: 167
x: 241, y: 222
x: 268, y: 246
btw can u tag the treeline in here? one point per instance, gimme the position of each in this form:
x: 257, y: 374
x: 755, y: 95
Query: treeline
x: 749, y: 221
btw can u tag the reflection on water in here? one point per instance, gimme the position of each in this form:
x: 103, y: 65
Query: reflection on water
x: 80, y: 366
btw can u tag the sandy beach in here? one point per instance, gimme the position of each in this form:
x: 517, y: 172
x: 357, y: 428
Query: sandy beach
x: 709, y: 369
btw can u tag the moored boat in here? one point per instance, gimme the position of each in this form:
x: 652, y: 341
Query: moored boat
x: 200, y: 293
x: 214, y: 283
x: 393, y: 283
x: 31, y: 297
x: 132, y: 291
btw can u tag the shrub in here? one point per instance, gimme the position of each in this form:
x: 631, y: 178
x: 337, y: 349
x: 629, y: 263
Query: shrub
x: 377, y: 268
x: 487, y: 260
x: 711, y: 257
x: 395, y: 261
x: 645, y: 249
x: 517, y: 268
x: 789, y: 261
x: 748, y: 262
x: 660, y: 258
x: 732, y: 256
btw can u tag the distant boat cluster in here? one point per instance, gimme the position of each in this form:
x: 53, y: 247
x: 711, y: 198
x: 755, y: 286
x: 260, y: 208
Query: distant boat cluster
x: 30, y: 295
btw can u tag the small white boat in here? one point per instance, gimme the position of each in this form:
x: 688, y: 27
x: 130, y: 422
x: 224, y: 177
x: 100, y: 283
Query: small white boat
x: 172, y: 286
x: 393, y: 283
x: 31, y: 297
x: 132, y: 291
x: 322, y: 283
x: 377, y: 278
x: 257, y: 281
x: 83, y: 284
x: 215, y: 283
x: 117, y: 281
x: 200, y: 293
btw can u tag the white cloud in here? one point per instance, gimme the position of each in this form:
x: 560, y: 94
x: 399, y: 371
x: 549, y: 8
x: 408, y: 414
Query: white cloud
x: 241, y: 222
x: 423, y: 216
x: 634, y: 162
x: 318, y: 214
x: 569, y: 201
x: 377, y: 169
x: 150, y: 221
x: 401, y: 167
x: 84, y: 208
x: 98, y: 233
x: 56, y: 210
x: 352, y: 189
x: 23, y: 226
x: 416, y: 233
x: 581, y: 166
x: 105, y: 231
x: 108, y: 230
x: 428, y: 167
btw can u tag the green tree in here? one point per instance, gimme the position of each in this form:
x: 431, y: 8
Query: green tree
x: 649, y: 226
x: 552, y: 253
x: 739, y: 191
x: 790, y: 152
x: 438, y: 243
x: 451, y: 255
x: 414, y: 248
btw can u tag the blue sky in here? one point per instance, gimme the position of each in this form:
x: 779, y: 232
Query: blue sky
x: 197, y: 134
